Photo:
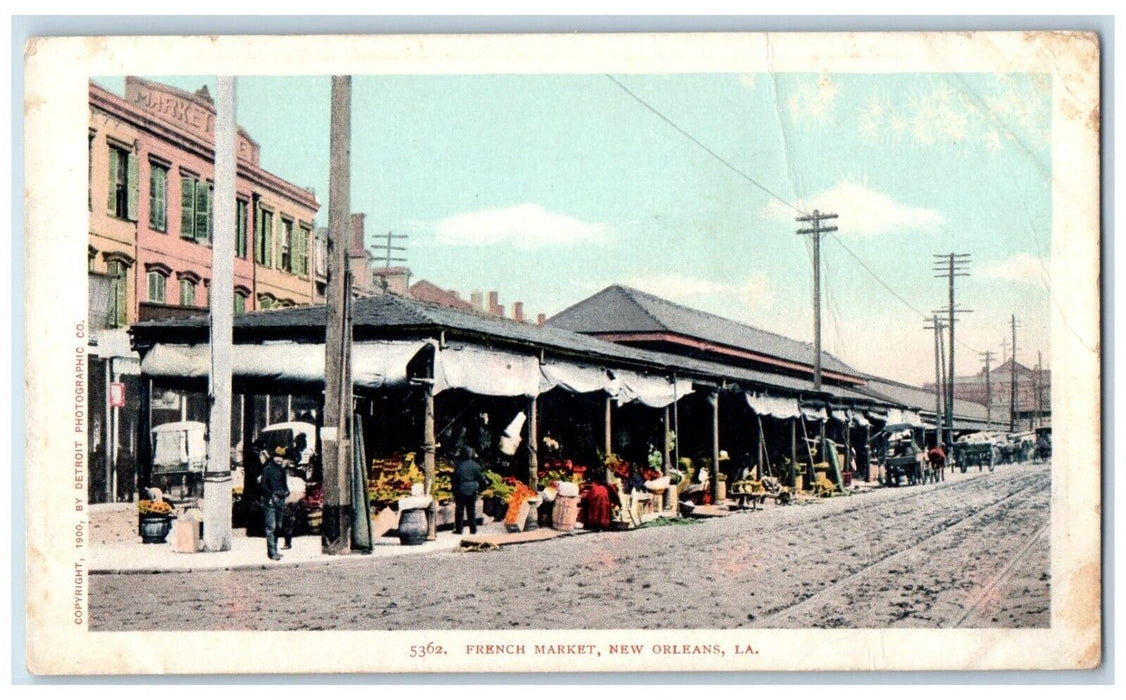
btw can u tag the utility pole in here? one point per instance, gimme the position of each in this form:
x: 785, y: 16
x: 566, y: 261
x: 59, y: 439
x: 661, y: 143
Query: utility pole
x: 336, y: 435
x: 1013, y: 380
x: 217, y: 497
x: 951, y: 265
x: 816, y: 218
x: 988, y: 356
x: 936, y: 325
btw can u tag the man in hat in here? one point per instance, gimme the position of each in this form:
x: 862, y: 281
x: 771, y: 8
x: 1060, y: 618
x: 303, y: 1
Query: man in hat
x: 274, y: 492
x: 468, y: 480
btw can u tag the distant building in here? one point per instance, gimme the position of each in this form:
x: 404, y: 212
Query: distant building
x: 1033, y: 395
x: 424, y: 290
x: 360, y: 261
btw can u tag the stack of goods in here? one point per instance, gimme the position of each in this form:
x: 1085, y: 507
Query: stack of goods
x: 390, y: 479
x: 519, y: 503
x: 561, y: 471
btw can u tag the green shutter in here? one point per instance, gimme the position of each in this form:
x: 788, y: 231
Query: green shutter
x: 112, y: 202
x: 132, y: 186
x: 162, y: 198
x: 187, y: 207
x: 240, y: 238
x: 200, y: 211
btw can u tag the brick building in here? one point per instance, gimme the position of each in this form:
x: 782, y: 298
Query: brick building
x: 150, y: 194
x: 151, y: 187
x: 1033, y: 393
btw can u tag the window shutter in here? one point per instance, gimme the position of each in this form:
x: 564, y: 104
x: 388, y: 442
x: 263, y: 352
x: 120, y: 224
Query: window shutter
x: 112, y: 201
x: 162, y: 199
x: 200, y: 211
x: 132, y: 186
x: 187, y: 207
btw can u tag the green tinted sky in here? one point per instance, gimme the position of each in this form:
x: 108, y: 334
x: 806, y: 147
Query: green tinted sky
x: 548, y: 188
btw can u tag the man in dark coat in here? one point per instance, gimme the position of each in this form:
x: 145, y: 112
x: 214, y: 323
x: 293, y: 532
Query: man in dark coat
x: 274, y: 492
x: 467, y: 481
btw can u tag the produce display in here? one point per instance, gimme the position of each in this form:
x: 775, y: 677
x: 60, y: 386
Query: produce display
x: 149, y: 508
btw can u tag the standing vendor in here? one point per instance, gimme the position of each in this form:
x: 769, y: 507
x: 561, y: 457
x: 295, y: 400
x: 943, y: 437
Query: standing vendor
x: 467, y: 481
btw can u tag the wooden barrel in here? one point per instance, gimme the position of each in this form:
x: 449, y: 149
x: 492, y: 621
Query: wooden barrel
x: 565, y: 513
x: 412, y: 526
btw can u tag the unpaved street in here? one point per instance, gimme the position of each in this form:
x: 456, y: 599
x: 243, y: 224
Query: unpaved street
x: 972, y: 551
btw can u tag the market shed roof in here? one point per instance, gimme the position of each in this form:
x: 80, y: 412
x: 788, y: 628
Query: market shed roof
x: 917, y: 397
x: 619, y: 309
x: 394, y: 316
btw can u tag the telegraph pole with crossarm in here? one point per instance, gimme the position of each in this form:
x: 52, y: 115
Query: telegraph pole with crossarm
x: 816, y: 218
x: 951, y: 265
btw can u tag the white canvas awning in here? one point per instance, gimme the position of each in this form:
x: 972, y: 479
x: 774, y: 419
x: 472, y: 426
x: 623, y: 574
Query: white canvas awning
x: 773, y: 406
x: 841, y: 415
x: 375, y: 364
x: 486, y: 371
x: 573, y: 377
x: 648, y: 389
x: 858, y: 418
x: 814, y: 414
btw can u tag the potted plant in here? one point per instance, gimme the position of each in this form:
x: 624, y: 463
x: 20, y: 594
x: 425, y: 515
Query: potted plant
x: 154, y: 520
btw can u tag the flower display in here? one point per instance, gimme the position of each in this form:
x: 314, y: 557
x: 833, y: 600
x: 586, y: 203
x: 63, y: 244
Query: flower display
x: 616, y: 466
x: 519, y: 495
x: 148, y: 508
x: 561, y: 470
x: 313, y: 500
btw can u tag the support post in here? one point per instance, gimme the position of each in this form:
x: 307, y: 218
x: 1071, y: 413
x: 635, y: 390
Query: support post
x: 532, y: 444
x: 144, y: 434
x: 666, y: 459
x: 337, y: 519
x: 251, y: 467
x: 713, y: 401
x: 428, y: 461
x: 110, y: 433
x: 794, y: 452
x: 607, y: 425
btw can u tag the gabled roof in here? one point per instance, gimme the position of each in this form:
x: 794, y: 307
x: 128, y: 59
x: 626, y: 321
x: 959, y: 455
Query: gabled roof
x: 919, y: 398
x: 389, y: 315
x: 621, y: 309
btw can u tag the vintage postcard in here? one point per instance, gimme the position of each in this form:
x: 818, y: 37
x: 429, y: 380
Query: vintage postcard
x: 545, y: 353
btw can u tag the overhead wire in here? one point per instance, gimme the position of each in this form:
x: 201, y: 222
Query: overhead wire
x: 778, y: 198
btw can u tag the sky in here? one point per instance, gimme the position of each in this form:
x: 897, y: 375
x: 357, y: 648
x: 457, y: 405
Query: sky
x: 550, y: 188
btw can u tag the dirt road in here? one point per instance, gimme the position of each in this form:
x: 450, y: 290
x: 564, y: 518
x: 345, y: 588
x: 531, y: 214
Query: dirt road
x: 968, y: 552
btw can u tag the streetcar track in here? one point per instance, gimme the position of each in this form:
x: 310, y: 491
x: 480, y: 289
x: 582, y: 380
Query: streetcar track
x: 1002, y: 576
x: 868, y: 508
x: 809, y: 602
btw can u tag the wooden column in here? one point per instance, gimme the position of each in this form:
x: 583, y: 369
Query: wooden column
x: 428, y: 462
x: 251, y: 468
x: 666, y: 459
x: 794, y: 451
x: 608, y: 426
x: 144, y: 435
x: 713, y: 400
x: 532, y: 445
x: 761, y: 448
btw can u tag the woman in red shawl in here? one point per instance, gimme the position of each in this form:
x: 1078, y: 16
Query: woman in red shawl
x: 598, y: 501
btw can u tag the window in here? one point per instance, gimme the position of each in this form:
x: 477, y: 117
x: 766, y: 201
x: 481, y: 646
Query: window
x: 157, y: 283
x: 240, y: 230
x: 187, y: 292
x: 195, y: 209
x: 158, y: 197
x: 123, y: 175
x: 285, y: 243
x: 118, y: 290
x: 240, y: 304
x: 265, y: 301
x: 301, y: 250
x: 263, y: 238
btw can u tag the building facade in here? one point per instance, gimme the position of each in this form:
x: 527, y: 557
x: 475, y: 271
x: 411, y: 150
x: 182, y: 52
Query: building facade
x: 1033, y: 404
x: 151, y: 188
x: 150, y: 195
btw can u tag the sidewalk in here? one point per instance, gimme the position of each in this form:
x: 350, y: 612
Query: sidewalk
x: 249, y: 553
